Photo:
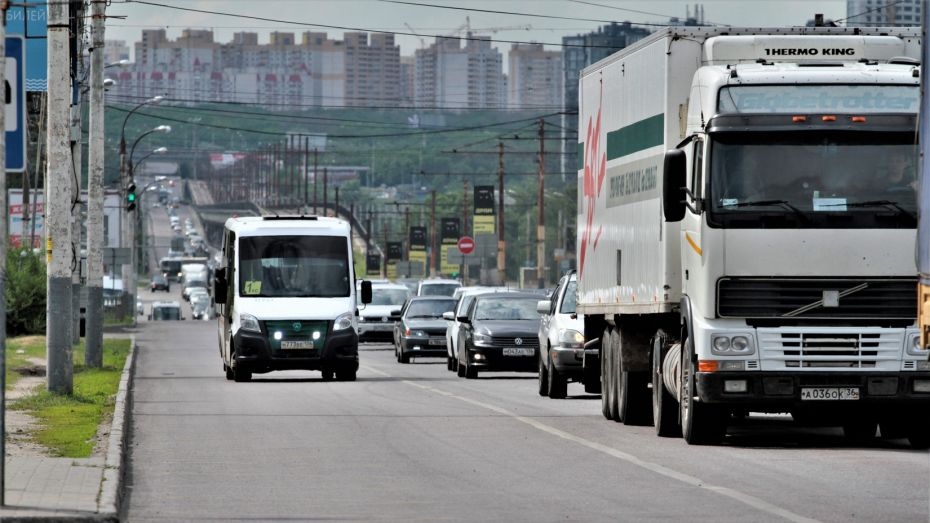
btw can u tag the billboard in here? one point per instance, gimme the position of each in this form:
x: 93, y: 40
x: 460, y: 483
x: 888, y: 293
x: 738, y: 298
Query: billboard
x: 450, y: 231
x: 485, y: 219
x: 417, y: 249
x: 22, y: 230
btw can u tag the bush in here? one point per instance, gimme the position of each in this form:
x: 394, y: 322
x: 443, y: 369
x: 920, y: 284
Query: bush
x: 25, y: 292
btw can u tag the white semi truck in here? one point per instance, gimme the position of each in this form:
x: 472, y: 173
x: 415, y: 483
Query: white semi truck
x: 747, y: 226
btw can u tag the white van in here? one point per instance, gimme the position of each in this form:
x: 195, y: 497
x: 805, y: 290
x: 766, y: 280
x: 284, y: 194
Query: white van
x: 286, y: 297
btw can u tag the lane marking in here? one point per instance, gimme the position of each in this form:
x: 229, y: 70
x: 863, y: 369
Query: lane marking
x: 662, y: 470
x: 374, y: 370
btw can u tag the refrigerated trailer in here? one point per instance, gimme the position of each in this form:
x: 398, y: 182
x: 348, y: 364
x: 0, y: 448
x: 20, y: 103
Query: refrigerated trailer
x: 746, y: 229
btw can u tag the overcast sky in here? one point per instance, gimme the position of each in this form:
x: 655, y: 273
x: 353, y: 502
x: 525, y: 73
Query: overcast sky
x: 378, y: 15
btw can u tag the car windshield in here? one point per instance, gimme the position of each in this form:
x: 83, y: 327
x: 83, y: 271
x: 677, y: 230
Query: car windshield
x: 158, y: 279
x: 506, y: 309
x: 813, y: 179
x: 429, y: 308
x: 389, y: 296
x: 294, y: 266
x: 568, y: 301
x: 438, y: 289
x: 161, y: 313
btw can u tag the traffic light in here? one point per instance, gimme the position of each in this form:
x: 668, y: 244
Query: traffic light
x: 131, y: 196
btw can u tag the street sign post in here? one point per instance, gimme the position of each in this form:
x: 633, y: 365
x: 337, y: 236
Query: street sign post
x: 15, y: 104
x: 466, y: 244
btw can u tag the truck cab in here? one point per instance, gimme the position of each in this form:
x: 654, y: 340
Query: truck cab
x: 286, y: 297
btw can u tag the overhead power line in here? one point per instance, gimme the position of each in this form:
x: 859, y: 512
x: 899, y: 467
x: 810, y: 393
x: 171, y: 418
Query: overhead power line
x: 363, y: 29
x: 496, y: 12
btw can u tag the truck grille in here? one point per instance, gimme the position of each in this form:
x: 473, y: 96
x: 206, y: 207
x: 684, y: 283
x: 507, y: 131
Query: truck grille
x: 829, y: 350
x: 856, y: 298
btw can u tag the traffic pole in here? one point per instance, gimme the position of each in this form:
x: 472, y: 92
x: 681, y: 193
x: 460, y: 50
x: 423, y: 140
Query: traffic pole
x: 93, y: 354
x: 58, y: 200
x: 4, y: 237
x: 541, y: 219
x: 501, y: 239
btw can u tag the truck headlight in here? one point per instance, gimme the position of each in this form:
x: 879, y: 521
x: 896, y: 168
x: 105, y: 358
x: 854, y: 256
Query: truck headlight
x: 913, y: 346
x: 571, y: 339
x: 726, y: 345
x: 343, y: 322
x: 482, y: 339
x: 247, y: 322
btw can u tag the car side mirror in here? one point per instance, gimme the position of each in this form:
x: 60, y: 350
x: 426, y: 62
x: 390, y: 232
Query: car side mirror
x: 366, y: 292
x: 673, y: 185
x: 220, y: 286
x: 542, y: 306
x: 463, y: 319
x: 449, y: 316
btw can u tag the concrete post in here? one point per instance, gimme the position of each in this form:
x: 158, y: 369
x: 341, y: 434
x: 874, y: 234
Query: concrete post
x: 4, y: 236
x: 93, y: 354
x: 58, y: 199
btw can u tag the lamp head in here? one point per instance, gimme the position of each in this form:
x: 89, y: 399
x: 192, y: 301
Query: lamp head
x: 160, y: 150
x: 108, y: 82
x: 163, y: 129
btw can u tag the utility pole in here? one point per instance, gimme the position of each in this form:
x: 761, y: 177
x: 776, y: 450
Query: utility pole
x: 306, y: 173
x: 464, y: 270
x: 541, y: 219
x: 325, y: 192
x: 336, y: 206
x: 316, y: 180
x: 432, y: 228
x: 58, y: 199
x: 384, y: 251
x: 501, y: 239
x: 75, y: 118
x: 371, y: 233
x: 405, y: 234
x: 3, y: 246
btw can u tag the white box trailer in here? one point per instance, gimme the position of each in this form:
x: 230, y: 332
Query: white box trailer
x: 736, y: 243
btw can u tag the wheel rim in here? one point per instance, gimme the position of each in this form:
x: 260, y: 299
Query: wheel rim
x: 686, y: 395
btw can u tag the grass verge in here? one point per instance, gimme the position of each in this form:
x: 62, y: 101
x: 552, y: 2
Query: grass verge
x: 68, y: 424
x: 18, y: 352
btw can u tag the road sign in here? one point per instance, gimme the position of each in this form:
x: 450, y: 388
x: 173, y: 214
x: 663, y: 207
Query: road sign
x: 31, y: 22
x: 466, y: 244
x: 15, y: 104
x: 117, y: 256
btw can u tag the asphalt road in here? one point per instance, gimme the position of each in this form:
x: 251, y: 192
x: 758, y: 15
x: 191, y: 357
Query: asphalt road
x: 416, y: 443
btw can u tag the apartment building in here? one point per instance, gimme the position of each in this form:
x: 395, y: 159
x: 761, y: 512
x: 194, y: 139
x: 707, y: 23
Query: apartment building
x: 450, y: 75
x: 535, y: 77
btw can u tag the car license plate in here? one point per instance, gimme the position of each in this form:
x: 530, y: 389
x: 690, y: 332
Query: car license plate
x: 291, y: 345
x: 437, y: 342
x: 829, y: 393
x: 518, y: 352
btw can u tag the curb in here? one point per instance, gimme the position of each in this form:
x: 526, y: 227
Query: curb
x: 108, y: 503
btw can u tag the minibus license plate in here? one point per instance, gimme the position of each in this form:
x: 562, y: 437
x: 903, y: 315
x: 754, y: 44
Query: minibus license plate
x: 301, y: 344
x: 518, y: 352
x: 829, y: 393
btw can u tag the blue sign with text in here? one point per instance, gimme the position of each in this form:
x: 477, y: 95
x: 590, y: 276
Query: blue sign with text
x: 15, y: 105
x: 32, y: 24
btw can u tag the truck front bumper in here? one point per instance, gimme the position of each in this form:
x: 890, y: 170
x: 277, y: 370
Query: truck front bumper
x: 253, y: 352
x: 789, y: 389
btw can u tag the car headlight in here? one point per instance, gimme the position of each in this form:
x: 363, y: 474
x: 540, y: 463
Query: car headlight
x: 343, y: 322
x: 482, y: 339
x: 247, y: 322
x: 913, y: 346
x: 725, y: 345
x: 414, y: 333
x: 571, y: 339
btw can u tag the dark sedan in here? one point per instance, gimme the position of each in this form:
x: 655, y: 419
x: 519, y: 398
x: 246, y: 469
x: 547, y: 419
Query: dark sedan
x: 499, y: 332
x: 160, y: 283
x: 421, y: 330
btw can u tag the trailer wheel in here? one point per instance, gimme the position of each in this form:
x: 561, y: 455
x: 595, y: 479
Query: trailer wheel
x: 605, y: 374
x: 701, y: 424
x: 632, y: 394
x: 664, y: 406
x: 542, y: 385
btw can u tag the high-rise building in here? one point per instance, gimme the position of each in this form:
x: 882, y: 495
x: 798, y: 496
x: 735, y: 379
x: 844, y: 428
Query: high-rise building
x: 372, y: 69
x: 882, y: 12
x: 114, y: 51
x: 535, y: 78
x: 407, y: 79
x: 450, y: 75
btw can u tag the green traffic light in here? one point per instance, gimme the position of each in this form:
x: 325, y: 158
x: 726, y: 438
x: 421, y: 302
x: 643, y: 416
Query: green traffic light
x: 131, y: 197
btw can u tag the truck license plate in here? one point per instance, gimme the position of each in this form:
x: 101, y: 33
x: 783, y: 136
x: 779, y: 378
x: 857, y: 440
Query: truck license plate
x: 291, y: 345
x: 508, y: 351
x: 437, y: 341
x: 829, y: 393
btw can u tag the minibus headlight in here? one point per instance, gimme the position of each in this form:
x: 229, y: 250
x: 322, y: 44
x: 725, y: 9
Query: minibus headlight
x: 247, y: 322
x: 343, y: 322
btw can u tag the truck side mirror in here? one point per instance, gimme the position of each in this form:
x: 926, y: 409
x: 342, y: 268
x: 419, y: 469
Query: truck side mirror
x: 366, y: 292
x: 674, y: 178
x: 219, y: 286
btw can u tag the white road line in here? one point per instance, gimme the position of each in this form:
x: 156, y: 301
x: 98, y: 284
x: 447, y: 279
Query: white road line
x: 374, y: 370
x: 662, y: 470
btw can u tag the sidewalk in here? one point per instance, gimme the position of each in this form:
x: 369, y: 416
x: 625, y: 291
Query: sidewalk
x: 48, y: 489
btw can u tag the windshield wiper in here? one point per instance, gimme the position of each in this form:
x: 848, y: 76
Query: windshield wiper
x: 768, y: 203
x: 875, y: 203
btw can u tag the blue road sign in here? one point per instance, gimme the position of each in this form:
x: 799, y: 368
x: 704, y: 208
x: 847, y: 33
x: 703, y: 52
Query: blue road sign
x: 15, y: 104
x: 32, y: 24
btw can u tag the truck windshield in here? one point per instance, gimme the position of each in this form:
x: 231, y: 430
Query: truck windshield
x: 294, y: 266
x: 813, y: 179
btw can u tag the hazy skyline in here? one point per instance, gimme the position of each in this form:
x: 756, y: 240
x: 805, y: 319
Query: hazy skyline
x: 377, y: 15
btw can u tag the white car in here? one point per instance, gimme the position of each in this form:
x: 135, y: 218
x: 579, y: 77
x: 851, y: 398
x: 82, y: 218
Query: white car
x: 375, y: 320
x: 561, y: 340
x: 438, y: 287
x: 465, y: 296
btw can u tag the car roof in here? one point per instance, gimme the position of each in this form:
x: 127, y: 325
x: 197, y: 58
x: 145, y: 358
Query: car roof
x: 166, y: 304
x: 491, y: 295
x: 389, y: 286
x: 432, y: 298
x: 440, y: 280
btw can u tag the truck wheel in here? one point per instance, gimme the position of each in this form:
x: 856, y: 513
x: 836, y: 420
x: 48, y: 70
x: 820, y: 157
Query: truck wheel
x: 701, y: 424
x: 860, y: 431
x: 328, y: 374
x: 346, y: 375
x: 558, y: 384
x: 241, y: 375
x: 605, y: 384
x: 542, y: 381
x: 592, y: 380
x: 664, y: 406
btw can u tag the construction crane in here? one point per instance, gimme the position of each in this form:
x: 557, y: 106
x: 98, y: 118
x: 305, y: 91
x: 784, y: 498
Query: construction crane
x: 467, y: 28
x: 414, y: 31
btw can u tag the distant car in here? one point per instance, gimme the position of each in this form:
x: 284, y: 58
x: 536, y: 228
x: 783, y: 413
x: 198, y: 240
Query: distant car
x: 140, y: 308
x: 198, y: 294
x: 375, y: 321
x: 200, y: 305
x: 191, y: 284
x: 421, y: 329
x: 166, y: 311
x: 499, y: 332
x: 463, y: 296
x: 561, y: 342
x: 438, y: 287
x: 160, y: 283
